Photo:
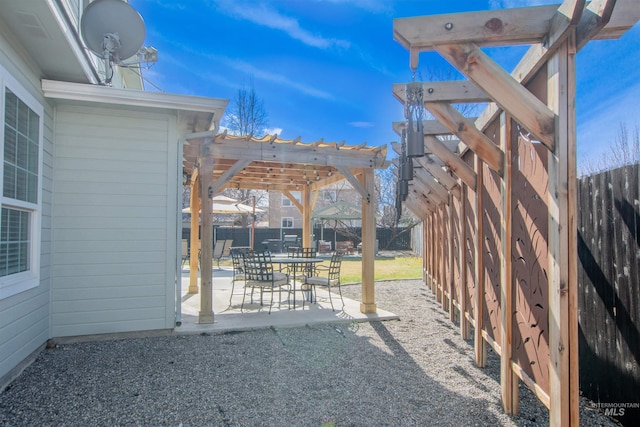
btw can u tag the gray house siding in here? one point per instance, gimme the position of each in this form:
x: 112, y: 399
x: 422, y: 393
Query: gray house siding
x: 24, y: 317
x: 115, y: 220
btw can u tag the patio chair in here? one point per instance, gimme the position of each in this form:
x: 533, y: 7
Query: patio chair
x: 237, y: 259
x: 308, y: 253
x: 222, y: 249
x: 259, y: 273
x: 293, y: 251
x: 328, y: 277
x: 185, y: 252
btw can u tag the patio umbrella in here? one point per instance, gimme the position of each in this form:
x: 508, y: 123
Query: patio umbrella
x: 339, y: 210
x: 227, y: 205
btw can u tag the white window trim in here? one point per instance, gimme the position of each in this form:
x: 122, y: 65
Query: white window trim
x: 287, y: 217
x: 332, y: 195
x: 20, y: 282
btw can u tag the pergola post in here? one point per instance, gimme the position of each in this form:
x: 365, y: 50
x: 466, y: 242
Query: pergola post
x: 508, y: 380
x: 563, y: 318
x: 464, y: 322
x: 478, y: 340
x: 368, y: 304
x: 306, y: 217
x: 194, y: 245
x: 206, y: 258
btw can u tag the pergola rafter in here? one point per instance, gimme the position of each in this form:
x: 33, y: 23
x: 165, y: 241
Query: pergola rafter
x: 501, y: 148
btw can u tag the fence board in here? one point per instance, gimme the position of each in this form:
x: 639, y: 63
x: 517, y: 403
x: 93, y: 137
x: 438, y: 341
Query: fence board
x: 609, y: 287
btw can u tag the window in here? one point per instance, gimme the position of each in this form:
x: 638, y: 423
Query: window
x: 329, y: 195
x: 21, y: 143
x: 285, y: 200
x: 287, y: 222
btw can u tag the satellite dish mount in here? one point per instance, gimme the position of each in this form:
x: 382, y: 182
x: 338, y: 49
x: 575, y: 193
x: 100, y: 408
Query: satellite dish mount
x: 115, y: 31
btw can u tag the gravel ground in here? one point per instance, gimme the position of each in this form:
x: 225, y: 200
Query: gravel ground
x: 412, y: 372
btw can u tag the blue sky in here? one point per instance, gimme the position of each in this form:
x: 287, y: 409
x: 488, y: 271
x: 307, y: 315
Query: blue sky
x: 324, y: 68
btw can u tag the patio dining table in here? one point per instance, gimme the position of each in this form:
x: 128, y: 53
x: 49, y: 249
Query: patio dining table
x: 297, y: 263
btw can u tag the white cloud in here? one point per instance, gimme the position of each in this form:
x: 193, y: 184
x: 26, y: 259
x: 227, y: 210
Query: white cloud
x: 245, y: 67
x: 273, y: 131
x: 362, y: 124
x: 271, y: 18
x: 259, y: 73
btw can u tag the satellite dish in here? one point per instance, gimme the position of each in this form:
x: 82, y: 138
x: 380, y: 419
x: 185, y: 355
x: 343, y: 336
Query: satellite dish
x: 112, y: 30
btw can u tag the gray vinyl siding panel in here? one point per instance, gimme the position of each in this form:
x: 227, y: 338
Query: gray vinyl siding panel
x: 25, y: 317
x: 114, y: 221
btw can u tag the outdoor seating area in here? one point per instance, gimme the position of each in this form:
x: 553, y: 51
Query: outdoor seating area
x: 232, y: 314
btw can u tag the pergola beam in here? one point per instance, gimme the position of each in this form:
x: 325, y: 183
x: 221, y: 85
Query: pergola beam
x: 440, y: 174
x: 596, y: 16
x: 228, y: 174
x: 485, y: 28
x: 422, y: 198
x: 421, y: 202
x: 424, y: 183
x: 514, y: 98
x: 455, y: 92
x: 430, y: 186
x: 446, y: 180
x: 354, y: 182
x: 429, y: 127
x: 469, y: 134
x: 456, y: 164
x: 293, y: 200
x: 506, y: 26
x: 421, y: 212
x: 625, y: 14
x: 294, y: 154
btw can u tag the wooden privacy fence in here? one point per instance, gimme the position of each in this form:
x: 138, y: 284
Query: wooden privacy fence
x: 500, y: 232
x: 609, y: 289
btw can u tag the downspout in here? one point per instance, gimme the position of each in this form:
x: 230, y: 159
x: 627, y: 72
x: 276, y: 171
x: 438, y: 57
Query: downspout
x: 178, y: 204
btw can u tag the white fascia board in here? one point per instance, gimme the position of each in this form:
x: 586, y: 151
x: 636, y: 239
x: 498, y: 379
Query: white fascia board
x: 72, y: 38
x: 129, y: 97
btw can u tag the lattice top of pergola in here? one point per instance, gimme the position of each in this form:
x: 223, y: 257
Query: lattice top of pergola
x: 271, y: 163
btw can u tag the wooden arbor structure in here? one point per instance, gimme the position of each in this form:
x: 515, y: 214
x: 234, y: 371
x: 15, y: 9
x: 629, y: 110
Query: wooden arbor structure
x: 214, y: 161
x: 500, y: 230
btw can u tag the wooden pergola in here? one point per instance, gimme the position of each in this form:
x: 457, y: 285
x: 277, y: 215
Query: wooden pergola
x: 500, y: 218
x: 213, y: 161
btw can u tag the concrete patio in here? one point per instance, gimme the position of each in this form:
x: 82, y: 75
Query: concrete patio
x: 229, y: 317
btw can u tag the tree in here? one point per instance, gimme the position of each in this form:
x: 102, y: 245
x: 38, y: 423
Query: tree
x: 248, y: 115
x: 624, y: 150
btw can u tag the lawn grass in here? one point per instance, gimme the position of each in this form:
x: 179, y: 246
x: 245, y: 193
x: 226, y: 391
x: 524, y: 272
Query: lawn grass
x: 384, y: 269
